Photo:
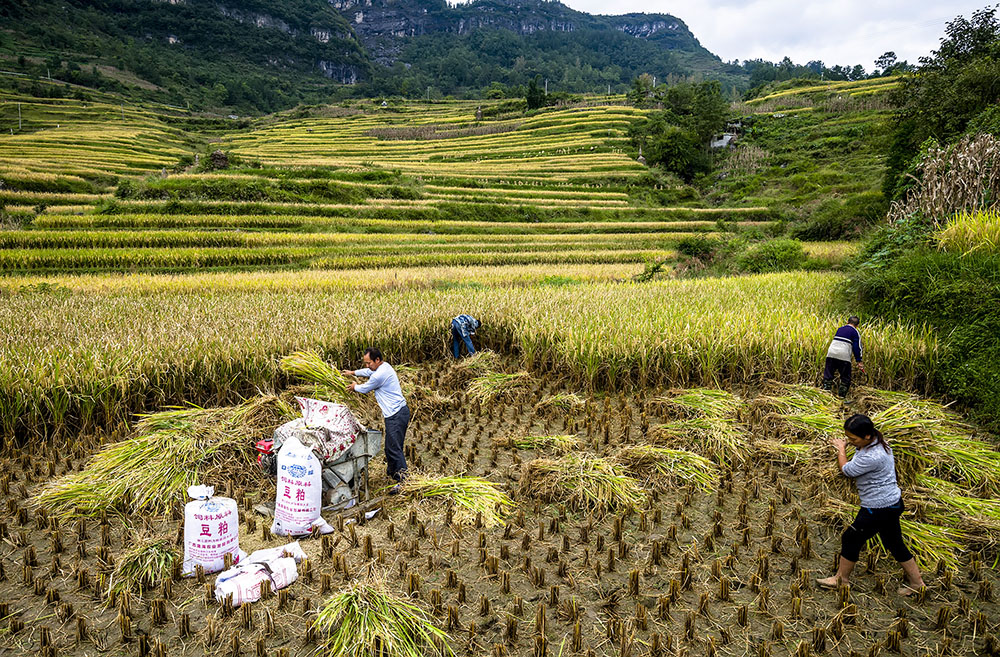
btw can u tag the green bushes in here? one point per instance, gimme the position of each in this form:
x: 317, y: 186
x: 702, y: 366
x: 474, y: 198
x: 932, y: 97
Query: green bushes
x: 698, y: 246
x: 771, y: 256
x: 739, y: 253
x: 837, y: 219
x: 959, y: 295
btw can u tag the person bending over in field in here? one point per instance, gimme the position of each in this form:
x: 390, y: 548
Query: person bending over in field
x: 846, y: 342
x: 463, y: 328
x: 382, y: 380
x: 873, y: 469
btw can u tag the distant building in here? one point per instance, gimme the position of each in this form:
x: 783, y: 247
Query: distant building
x: 725, y: 141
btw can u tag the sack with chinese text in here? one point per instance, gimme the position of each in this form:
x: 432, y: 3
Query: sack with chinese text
x: 211, y: 531
x: 299, y: 496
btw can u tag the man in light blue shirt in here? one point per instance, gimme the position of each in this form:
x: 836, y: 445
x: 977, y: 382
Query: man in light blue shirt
x: 382, y: 380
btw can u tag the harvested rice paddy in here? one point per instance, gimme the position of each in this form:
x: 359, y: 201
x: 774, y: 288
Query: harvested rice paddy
x: 627, y: 469
x: 519, y: 547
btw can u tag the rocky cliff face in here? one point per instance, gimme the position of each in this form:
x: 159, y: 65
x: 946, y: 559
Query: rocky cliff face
x: 382, y: 25
x: 329, y: 33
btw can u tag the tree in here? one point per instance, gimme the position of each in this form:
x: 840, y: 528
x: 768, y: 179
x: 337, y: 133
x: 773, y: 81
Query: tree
x: 959, y: 81
x: 642, y: 89
x: 677, y: 137
x: 886, y: 62
x: 676, y: 150
x: 967, y: 39
x: 535, y: 95
x: 708, y: 110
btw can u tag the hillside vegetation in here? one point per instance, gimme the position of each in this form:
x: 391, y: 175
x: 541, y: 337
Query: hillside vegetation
x: 815, y: 151
x: 262, y: 56
x: 935, y: 260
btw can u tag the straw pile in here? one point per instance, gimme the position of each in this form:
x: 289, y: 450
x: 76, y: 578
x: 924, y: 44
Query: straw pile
x: 472, y: 496
x: 560, y: 404
x: 697, y: 402
x: 169, y: 451
x: 495, y: 387
x: 557, y: 443
x: 478, y: 364
x: 791, y: 454
x: 664, y: 468
x: 721, y: 439
x: 778, y: 400
x: 368, y: 620
x: 585, y: 482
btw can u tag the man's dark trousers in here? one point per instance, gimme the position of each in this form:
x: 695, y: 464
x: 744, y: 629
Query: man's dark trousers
x: 835, y: 365
x: 395, y: 433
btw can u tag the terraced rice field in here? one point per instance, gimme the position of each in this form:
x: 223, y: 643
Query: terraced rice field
x: 107, y: 188
x: 606, y: 538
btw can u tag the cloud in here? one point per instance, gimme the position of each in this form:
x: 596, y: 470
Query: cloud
x: 848, y: 32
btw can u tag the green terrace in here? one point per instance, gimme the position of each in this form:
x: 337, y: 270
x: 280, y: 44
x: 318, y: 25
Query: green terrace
x: 98, y: 187
x: 354, y: 224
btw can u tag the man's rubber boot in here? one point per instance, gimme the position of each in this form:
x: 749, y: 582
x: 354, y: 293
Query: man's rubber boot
x: 842, y: 391
x: 827, y: 385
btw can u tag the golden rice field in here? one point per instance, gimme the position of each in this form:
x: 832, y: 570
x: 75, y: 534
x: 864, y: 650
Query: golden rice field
x: 117, y: 345
x: 971, y: 233
x: 571, y: 456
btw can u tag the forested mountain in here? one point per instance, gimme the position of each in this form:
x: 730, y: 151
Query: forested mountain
x: 263, y: 55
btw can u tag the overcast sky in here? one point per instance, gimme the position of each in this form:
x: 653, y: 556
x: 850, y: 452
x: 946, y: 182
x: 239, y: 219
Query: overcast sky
x: 847, y: 32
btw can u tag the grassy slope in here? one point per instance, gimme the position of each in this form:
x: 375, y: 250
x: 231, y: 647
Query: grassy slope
x: 811, y: 152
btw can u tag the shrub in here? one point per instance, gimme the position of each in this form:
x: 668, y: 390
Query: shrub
x: 698, y: 246
x: 127, y: 188
x: 771, y: 256
x: 837, y: 219
x: 963, y: 304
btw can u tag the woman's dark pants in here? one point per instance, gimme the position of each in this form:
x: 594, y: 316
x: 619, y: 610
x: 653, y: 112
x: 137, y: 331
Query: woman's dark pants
x: 885, y: 523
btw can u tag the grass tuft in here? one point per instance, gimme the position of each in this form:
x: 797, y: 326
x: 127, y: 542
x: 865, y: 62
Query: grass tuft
x: 142, y: 566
